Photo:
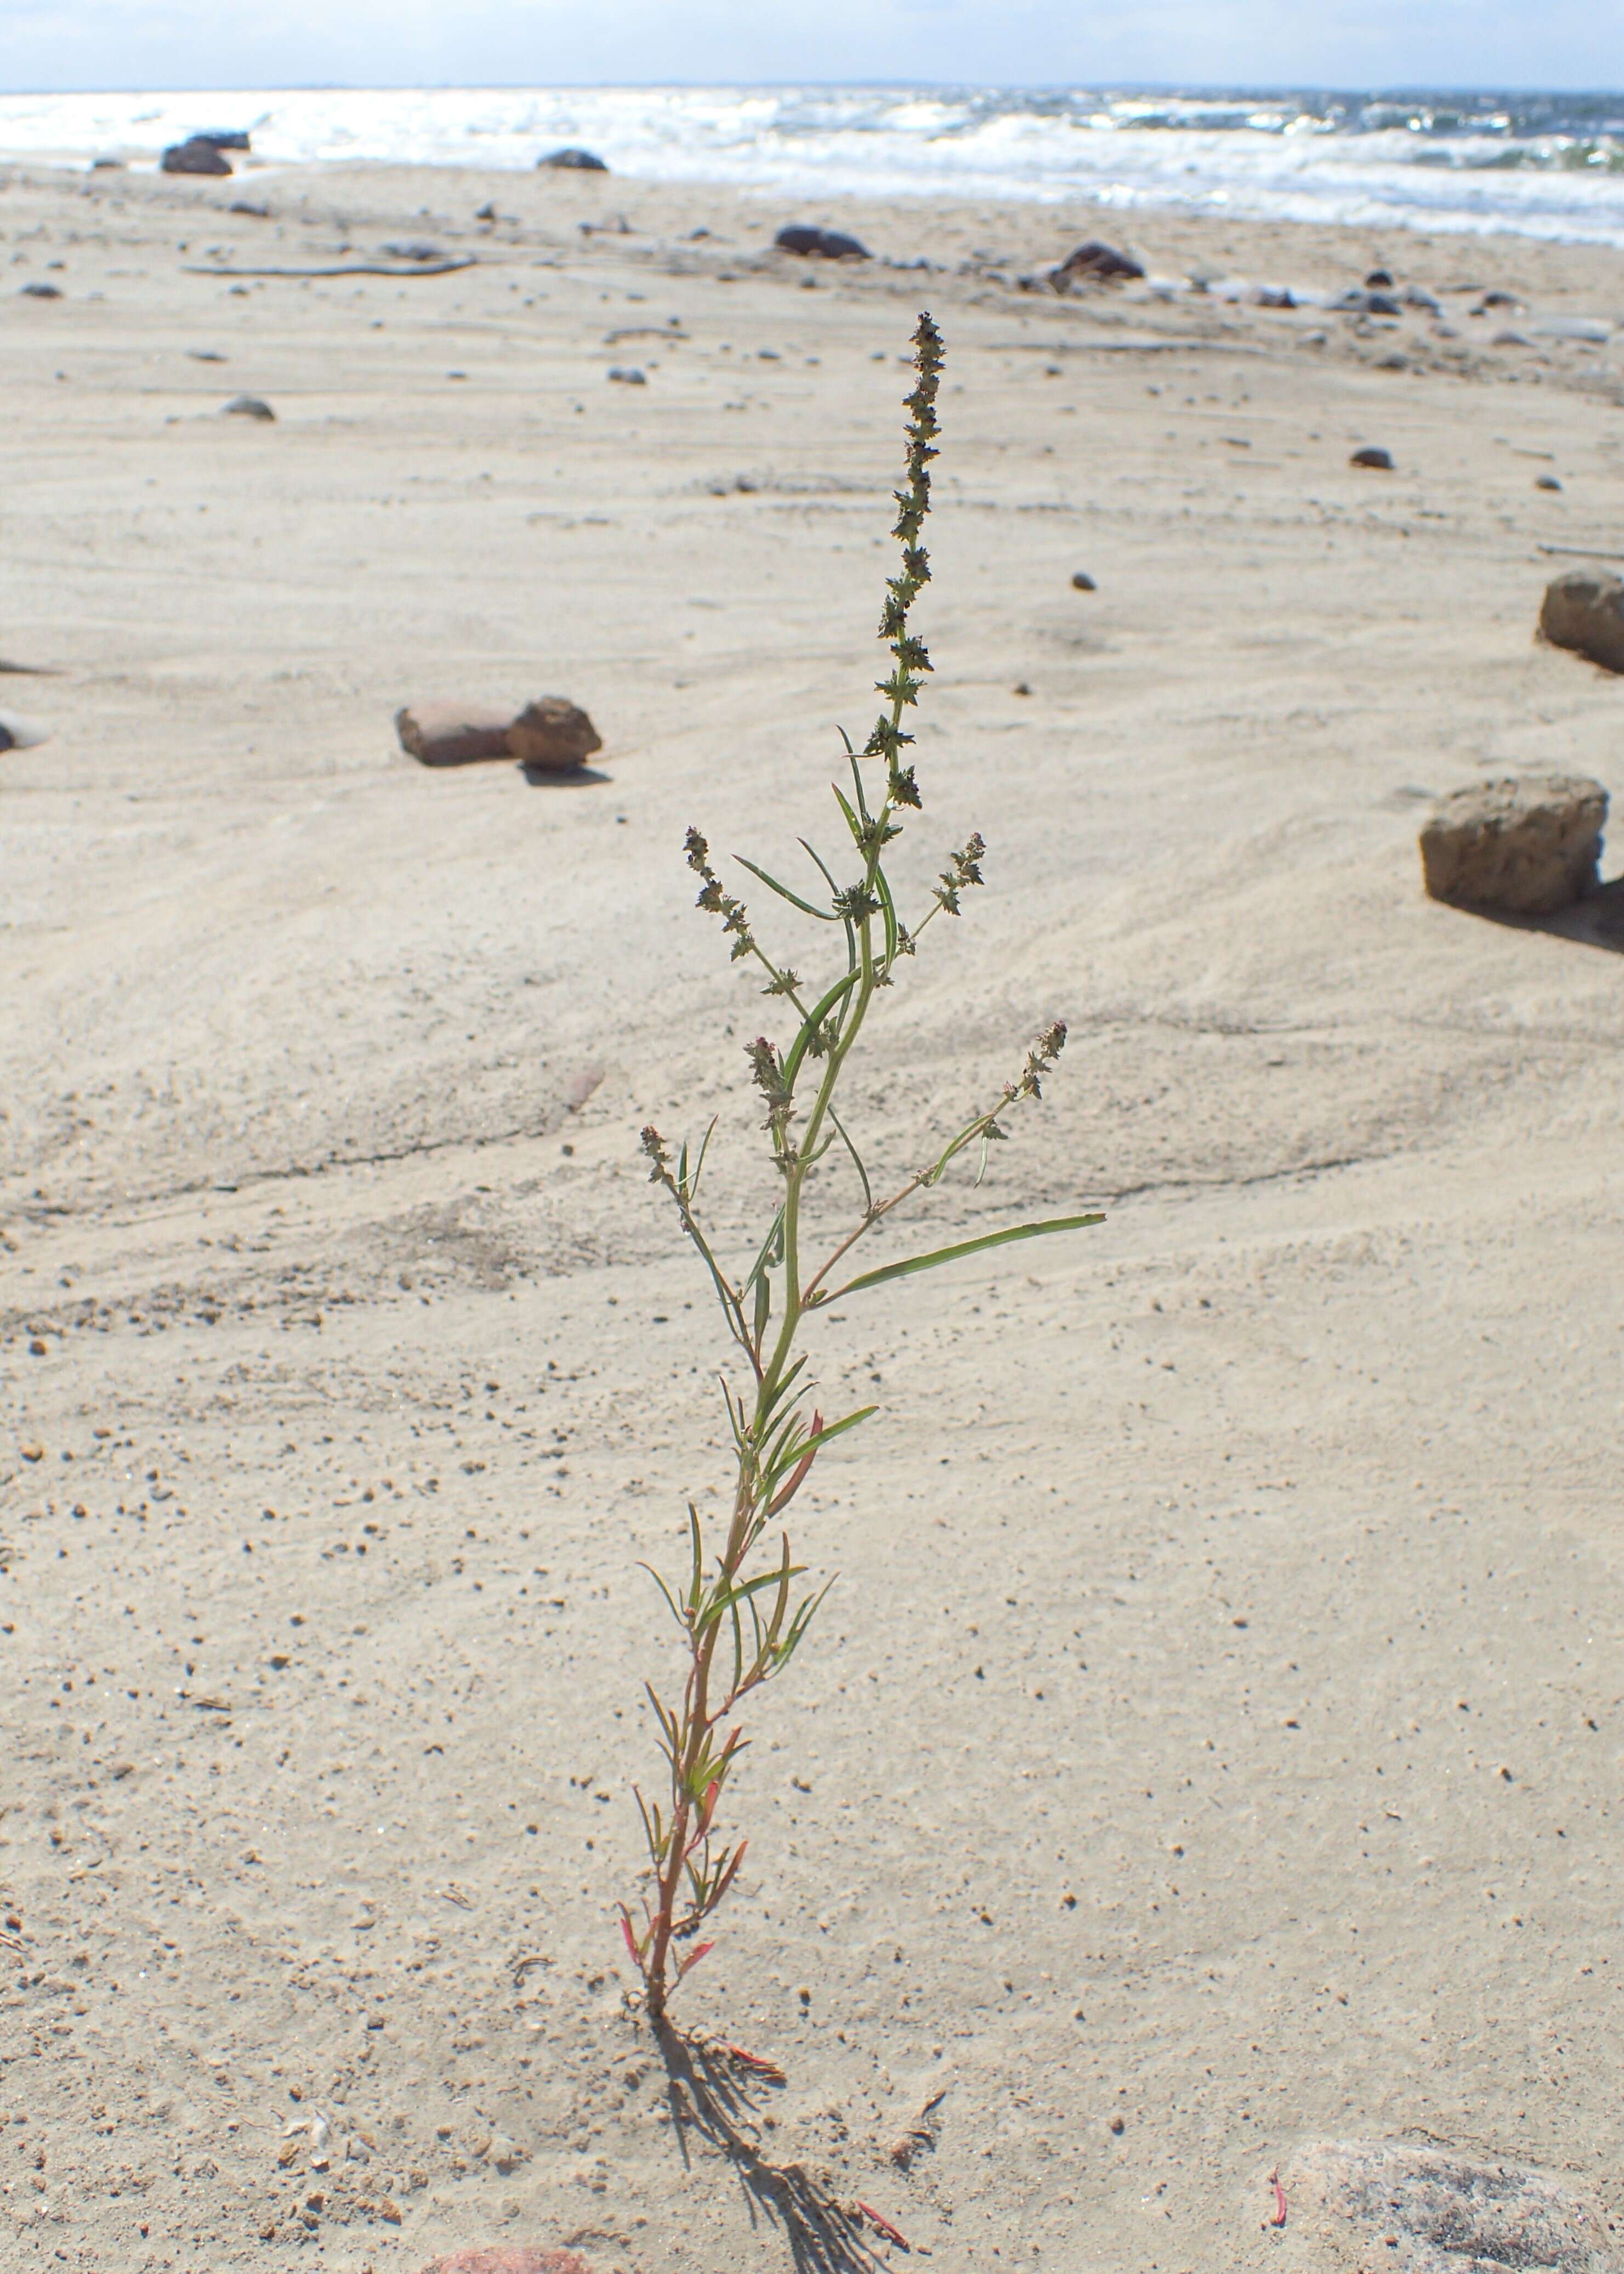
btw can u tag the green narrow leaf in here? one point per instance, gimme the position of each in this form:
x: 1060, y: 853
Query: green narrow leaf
x: 815, y: 1019
x: 823, y: 916
x: 713, y: 1609
x: 851, y: 936
x: 856, y: 1162
x: 888, y: 907
x: 852, y: 822
x: 965, y: 1247
x: 664, y: 1591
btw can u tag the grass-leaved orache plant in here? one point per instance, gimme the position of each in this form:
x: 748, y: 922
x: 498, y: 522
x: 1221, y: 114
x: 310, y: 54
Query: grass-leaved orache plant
x: 739, y: 1606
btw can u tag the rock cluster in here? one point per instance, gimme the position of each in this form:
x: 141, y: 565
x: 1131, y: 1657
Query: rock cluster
x: 1524, y: 845
x: 550, y: 735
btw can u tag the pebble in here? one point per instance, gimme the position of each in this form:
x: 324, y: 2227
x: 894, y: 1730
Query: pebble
x: 1373, y: 454
x: 1546, y: 482
x: 41, y: 291
x: 574, y: 161
x: 627, y: 374
x: 1082, y: 582
x: 20, y: 733
x: 248, y: 406
x: 808, y: 243
x: 1094, y: 260
x: 197, y: 157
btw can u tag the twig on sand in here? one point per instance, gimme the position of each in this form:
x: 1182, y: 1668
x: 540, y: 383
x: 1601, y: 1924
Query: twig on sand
x: 356, y: 269
x: 1581, y: 552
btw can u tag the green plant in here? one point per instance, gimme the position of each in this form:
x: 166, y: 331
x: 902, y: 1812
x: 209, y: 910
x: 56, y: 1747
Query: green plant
x: 740, y: 1612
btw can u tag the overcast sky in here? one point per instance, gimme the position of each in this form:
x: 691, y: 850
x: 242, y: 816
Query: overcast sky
x: 52, y: 44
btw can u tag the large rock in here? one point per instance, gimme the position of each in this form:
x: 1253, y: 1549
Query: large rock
x: 196, y: 156
x: 20, y: 733
x: 573, y: 161
x: 1526, y: 846
x: 1426, y: 2211
x: 1584, y: 610
x: 819, y: 244
x: 1093, y: 262
x: 552, y: 734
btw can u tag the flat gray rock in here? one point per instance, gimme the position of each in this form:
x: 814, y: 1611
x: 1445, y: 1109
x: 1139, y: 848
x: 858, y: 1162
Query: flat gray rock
x: 1427, y: 2211
x: 1526, y: 845
x: 20, y: 733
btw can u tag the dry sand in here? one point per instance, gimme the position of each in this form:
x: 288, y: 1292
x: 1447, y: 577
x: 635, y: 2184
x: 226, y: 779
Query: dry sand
x: 1214, y: 1738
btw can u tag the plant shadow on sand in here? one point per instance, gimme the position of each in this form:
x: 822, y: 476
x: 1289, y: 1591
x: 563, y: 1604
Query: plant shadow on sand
x: 708, y: 2096
x: 1596, y: 921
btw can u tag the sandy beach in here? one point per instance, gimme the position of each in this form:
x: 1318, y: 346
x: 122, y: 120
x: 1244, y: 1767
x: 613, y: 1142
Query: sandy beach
x: 1212, y: 1741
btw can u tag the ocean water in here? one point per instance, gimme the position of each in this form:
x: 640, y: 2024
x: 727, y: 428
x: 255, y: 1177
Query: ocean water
x: 1539, y: 165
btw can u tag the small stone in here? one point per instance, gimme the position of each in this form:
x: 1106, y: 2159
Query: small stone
x: 1509, y: 340
x: 1082, y: 582
x: 249, y: 206
x: 199, y: 156
x: 1372, y: 454
x: 627, y: 374
x: 552, y: 735
x: 248, y: 406
x: 222, y: 137
x: 808, y: 242
x: 1499, y: 300
x: 1381, y: 303
x: 1094, y: 262
x: 413, y: 248
x: 1524, y: 845
x: 41, y: 291
x: 1380, y: 280
x: 1426, y: 2211
x: 573, y: 161
x: 1584, y: 610
x: 20, y: 733
x: 1546, y: 482
x: 486, y: 212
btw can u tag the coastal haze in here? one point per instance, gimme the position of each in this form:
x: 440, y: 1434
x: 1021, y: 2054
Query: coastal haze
x: 1213, y: 1739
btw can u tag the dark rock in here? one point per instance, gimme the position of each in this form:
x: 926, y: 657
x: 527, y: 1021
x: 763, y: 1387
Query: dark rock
x: 1082, y: 582
x: 413, y: 248
x: 1372, y: 454
x: 248, y: 406
x: 1094, y: 261
x: 222, y: 137
x: 194, y: 157
x: 572, y: 161
x: 1506, y: 339
x: 106, y: 166
x: 485, y: 213
x: 552, y: 735
x: 1416, y: 296
x: 1274, y: 296
x: 1355, y: 302
x: 1526, y: 845
x: 1546, y: 482
x: 247, y: 206
x: 40, y: 291
x: 1380, y: 280
x: 1499, y: 300
x: 820, y: 243
x: 1426, y: 2211
x: 20, y: 733
x: 627, y: 374
x: 1584, y: 610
